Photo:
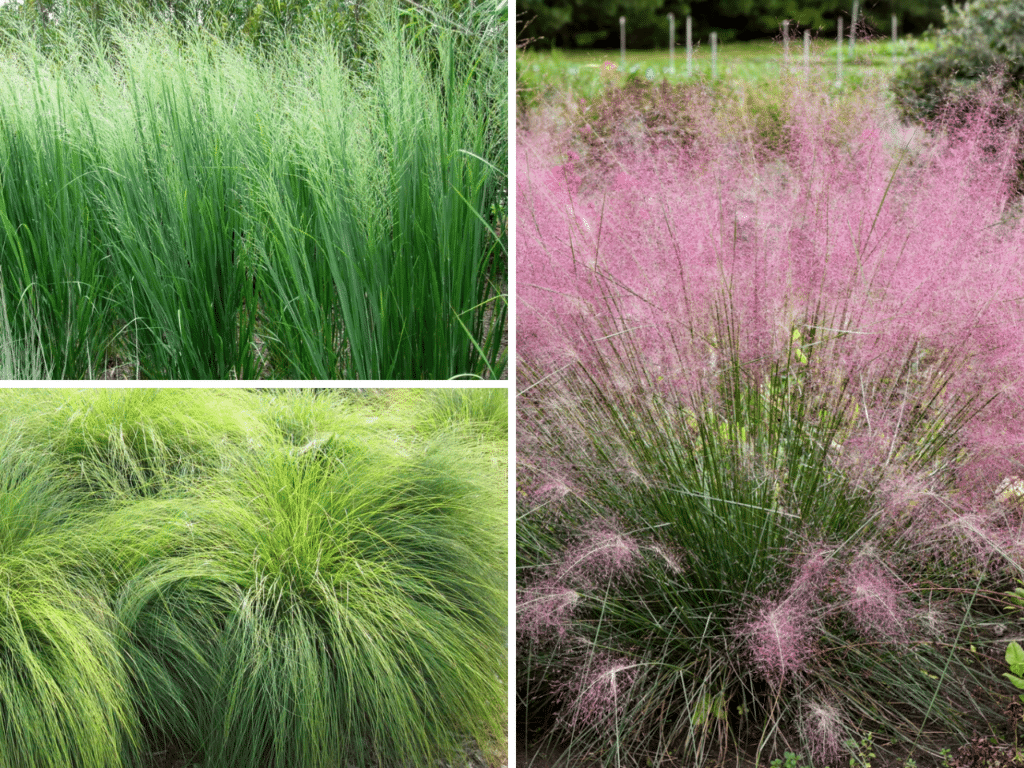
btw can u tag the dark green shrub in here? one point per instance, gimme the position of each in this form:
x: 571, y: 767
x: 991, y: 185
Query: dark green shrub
x: 981, y: 48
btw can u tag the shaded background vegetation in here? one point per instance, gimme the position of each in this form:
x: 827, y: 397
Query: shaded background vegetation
x: 594, y: 23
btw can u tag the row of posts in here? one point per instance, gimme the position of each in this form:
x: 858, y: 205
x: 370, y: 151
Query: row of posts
x: 785, y: 44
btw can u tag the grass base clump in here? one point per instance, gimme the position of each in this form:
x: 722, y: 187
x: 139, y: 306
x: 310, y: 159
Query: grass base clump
x: 297, y: 580
x: 768, y: 417
x: 726, y: 556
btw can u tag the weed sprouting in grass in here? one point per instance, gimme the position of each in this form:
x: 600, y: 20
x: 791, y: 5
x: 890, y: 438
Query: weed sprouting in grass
x: 770, y: 383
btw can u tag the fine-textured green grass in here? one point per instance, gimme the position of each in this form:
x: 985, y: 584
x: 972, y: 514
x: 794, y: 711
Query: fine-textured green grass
x: 250, y: 579
x: 183, y: 207
x: 63, y: 683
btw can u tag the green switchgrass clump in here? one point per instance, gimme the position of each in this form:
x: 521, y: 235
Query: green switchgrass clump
x: 173, y: 204
x: 408, y: 227
x: 20, y: 356
x: 305, y: 577
x: 183, y: 207
x: 56, y: 289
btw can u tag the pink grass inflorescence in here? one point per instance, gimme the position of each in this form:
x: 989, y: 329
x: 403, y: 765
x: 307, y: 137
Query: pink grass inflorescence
x: 789, y: 345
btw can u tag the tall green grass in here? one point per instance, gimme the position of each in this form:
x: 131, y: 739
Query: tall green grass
x: 203, y: 209
x: 57, y: 288
x: 281, y: 579
x: 20, y: 356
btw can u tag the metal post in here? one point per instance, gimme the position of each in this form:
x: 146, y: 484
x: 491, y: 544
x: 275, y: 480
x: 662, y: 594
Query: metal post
x: 622, y: 41
x: 853, y: 26
x: 672, y: 43
x: 839, y: 50
x: 894, y: 39
x: 689, y: 46
x: 785, y: 43
x: 714, y: 55
x: 807, y: 53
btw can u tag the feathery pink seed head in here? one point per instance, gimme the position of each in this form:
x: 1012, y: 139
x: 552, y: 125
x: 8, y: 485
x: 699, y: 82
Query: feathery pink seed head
x: 602, y: 554
x: 876, y: 603
x: 597, y: 690
x: 780, y: 640
x: 812, y: 574
x: 544, y: 613
x: 824, y: 730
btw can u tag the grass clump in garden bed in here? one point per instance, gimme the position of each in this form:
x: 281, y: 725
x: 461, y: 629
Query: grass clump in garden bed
x: 324, y: 586
x: 769, y: 431
x: 177, y: 204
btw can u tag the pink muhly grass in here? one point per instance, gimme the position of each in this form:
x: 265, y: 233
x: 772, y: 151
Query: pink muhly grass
x: 903, y: 494
x: 596, y: 691
x: 601, y: 555
x: 823, y: 727
x: 554, y: 489
x: 673, y: 561
x: 881, y: 269
x: 897, y: 254
x: 813, y: 574
x: 876, y: 602
x: 544, y: 612
x: 962, y: 529
x: 780, y: 639
x: 971, y: 533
